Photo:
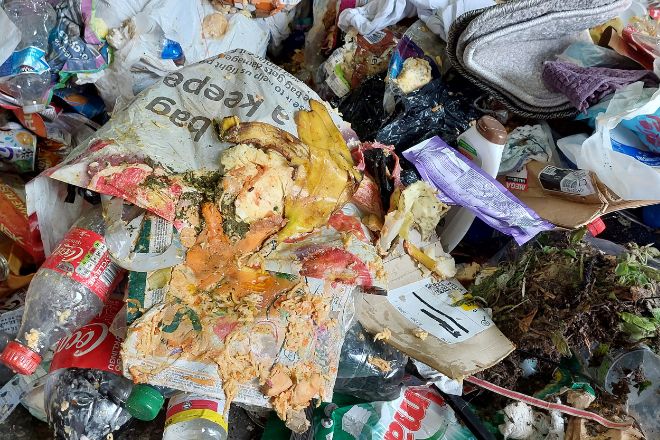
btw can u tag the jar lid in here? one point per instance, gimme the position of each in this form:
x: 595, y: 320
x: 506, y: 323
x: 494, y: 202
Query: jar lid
x: 492, y: 130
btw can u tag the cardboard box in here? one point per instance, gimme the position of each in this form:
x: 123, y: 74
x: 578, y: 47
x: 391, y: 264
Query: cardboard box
x: 577, y: 201
x: 470, y: 352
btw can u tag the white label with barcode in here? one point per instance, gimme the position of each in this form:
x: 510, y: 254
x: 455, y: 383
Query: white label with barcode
x: 578, y: 182
x: 436, y: 307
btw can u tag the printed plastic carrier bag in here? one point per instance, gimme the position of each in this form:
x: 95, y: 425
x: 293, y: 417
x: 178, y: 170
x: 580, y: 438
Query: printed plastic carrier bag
x: 168, y: 129
x: 621, y: 167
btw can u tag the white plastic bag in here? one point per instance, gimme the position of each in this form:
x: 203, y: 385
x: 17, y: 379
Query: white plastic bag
x: 181, y: 21
x: 629, y: 178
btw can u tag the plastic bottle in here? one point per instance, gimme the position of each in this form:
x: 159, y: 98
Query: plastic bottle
x: 482, y: 143
x: 195, y: 417
x: 30, y: 78
x: 66, y: 292
x: 5, y: 373
x: 85, y: 393
x: 4, y: 268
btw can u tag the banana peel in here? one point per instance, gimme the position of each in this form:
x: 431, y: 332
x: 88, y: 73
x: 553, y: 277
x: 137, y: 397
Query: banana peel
x: 326, y: 176
x: 265, y: 136
x: 443, y: 267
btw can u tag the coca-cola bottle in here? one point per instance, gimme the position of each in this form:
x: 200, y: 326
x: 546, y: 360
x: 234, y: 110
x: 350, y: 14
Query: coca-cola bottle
x: 85, y: 393
x: 66, y: 292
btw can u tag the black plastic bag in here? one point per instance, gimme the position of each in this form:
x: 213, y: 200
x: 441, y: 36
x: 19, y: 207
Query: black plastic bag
x: 440, y: 108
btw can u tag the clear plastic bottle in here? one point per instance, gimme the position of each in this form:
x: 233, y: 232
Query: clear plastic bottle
x: 30, y: 81
x: 5, y: 373
x: 195, y: 417
x: 66, y: 292
x: 483, y: 144
x: 85, y: 393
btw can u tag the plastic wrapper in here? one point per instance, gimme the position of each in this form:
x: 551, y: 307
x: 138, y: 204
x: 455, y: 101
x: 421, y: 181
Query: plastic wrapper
x: 419, y: 413
x: 15, y: 222
x: 83, y: 100
x: 74, y: 44
x: 461, y: 182
x: 360, y: 57
x: 18, y: 149
x: 146, y: 359
x: 440, y: 108
x: 356, y: 376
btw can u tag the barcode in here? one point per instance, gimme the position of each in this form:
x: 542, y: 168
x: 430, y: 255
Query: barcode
x: 375, y: 37
x: 109, y: 274
x: 90, y: 261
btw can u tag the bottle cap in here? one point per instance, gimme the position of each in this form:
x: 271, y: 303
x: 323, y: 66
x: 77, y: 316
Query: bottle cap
x: 20, y: 358
x: 492, y: 130
x: 145, y: 402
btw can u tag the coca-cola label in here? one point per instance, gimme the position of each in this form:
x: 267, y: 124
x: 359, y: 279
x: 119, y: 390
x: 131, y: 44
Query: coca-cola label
x: 83, y: 256
x: 93, y: 345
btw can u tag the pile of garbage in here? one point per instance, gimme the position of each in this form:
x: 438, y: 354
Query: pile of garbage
x: 368, y: 220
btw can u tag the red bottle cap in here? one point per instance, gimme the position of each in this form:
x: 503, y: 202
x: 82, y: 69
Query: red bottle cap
x: 20, y: 358
x: 596, y: 227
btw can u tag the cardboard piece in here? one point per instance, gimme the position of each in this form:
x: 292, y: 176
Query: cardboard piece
x: 456, y: 360
x: 571, y: 210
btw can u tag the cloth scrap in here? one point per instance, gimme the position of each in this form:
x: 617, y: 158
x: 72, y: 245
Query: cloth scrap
x: 585, y: 86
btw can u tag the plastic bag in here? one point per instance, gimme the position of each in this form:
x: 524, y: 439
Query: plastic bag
x: 363, y: 108
x: 137, y: 63
x: 357, y: 377
x: 181, y: 21
x: 440, y: 108
x: 617, y: 165
x: 419, y: 413
x: 417, y: 42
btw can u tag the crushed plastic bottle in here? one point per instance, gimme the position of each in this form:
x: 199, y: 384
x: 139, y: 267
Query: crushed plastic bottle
x: 195, y: 417
x: 66, y: 292
x: 85, y: 393
x: 28, y: 74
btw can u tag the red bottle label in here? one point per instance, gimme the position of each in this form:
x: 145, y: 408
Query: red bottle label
x: 91, y: 346
x: 83, y: 256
